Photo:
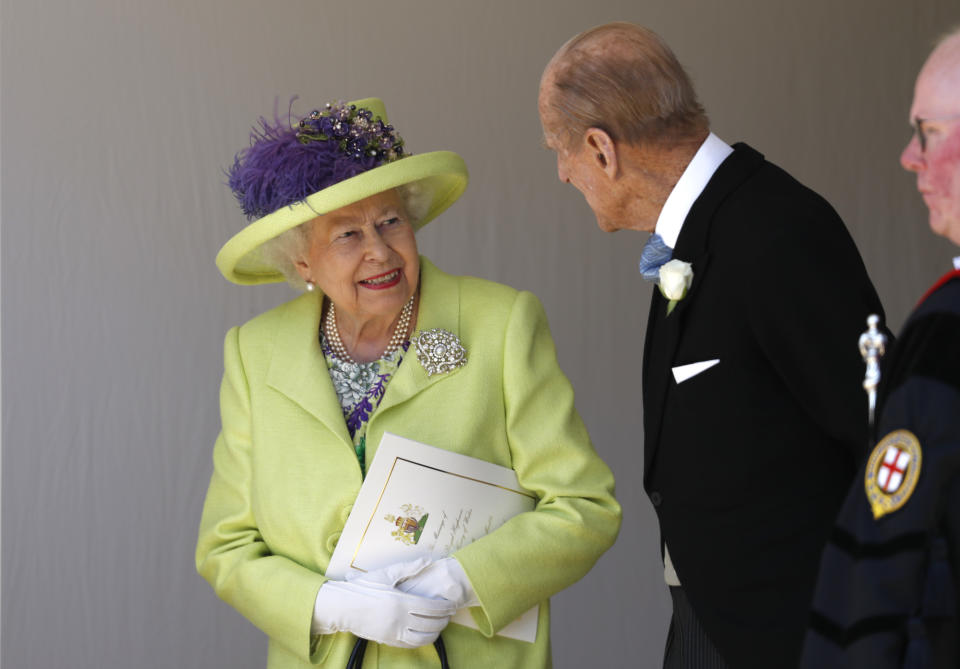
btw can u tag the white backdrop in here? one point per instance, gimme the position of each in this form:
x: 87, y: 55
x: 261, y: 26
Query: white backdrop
x: 116, y: 120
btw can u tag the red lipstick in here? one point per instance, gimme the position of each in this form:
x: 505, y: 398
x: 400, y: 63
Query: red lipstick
x: 382, y: 281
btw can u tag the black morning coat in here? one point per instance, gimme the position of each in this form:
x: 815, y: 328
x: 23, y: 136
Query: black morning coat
x: 747, y: 463
x: 889, y: 587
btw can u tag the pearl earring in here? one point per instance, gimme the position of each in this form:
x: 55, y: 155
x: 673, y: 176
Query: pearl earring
x: 311, y: 286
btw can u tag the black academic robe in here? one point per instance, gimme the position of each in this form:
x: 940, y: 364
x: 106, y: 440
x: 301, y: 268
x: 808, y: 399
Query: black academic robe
x: 889, y: 587
x: 747, y: 463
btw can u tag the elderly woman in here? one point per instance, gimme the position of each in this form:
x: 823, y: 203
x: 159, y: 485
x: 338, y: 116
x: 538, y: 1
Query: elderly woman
x: 311, y: 386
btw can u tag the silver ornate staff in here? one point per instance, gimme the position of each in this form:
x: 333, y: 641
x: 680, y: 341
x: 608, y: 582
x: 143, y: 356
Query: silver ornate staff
x: 873, y: 344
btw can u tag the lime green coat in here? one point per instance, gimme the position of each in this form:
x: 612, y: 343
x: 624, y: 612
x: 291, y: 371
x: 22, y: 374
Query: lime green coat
x: 285, y: 474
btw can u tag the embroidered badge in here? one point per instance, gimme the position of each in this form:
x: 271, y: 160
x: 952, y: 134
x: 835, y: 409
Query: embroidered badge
x: 409, y: 525
x: 892, y: 472
x: 439, y: 351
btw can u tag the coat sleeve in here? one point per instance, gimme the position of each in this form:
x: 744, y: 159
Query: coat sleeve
x: 275, y: 593
x: 536, y: 554
x: 807, y: 318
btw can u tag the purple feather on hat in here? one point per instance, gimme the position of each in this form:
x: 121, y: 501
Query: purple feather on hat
x: 285, y: 164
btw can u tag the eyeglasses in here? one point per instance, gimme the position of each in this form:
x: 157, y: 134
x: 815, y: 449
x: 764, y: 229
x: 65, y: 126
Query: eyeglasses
x: 921, y: 134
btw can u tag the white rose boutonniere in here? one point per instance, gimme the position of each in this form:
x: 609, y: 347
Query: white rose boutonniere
x: 675, y: 279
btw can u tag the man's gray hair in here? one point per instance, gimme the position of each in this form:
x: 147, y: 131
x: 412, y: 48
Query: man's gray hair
x: 953, y: 33
x: 623, y: 79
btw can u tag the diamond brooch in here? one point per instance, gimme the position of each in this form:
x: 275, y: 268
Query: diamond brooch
x: 439, y: 351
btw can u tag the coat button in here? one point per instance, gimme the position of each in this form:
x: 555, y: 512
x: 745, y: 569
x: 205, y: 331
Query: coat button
x: 332, y: 542
x: 656, y: 498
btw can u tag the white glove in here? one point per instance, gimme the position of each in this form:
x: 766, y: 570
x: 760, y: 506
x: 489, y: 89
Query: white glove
x: 380, y: 614
x: 444, y: 579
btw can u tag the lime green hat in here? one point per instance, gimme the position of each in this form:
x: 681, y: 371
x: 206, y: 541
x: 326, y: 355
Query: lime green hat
x: 356, y: 155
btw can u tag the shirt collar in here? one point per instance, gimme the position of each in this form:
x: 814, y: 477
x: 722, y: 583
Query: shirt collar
x: 694, y: 179
x: 956, y: 263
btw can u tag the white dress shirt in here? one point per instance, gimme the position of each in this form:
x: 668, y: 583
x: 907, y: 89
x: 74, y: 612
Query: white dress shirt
x: 691, y: 183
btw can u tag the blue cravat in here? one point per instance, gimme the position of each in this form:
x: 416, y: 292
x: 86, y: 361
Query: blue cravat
x: 655, y: 253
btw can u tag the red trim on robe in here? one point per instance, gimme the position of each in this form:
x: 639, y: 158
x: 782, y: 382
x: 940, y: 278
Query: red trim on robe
x: 955, y: 274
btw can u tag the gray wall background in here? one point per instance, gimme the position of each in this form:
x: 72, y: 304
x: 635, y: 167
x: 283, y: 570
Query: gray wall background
x: 117, y: 117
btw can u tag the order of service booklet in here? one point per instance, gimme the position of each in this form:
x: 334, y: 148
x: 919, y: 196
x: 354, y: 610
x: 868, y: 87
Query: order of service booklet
x: 422, y: 501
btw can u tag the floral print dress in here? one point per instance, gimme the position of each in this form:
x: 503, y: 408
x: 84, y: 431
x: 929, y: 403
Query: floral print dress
x: 360, y: 386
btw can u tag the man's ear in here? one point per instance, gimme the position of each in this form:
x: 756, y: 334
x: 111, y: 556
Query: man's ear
x: 603, y: 150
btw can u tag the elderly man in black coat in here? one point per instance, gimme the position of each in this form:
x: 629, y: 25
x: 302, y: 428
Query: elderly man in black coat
x: 754, y: 420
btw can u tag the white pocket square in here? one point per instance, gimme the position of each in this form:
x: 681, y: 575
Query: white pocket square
x: 684, y: 372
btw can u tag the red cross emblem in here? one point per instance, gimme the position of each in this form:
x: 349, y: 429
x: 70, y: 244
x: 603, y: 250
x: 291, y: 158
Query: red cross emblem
x: 893, y: 469
x: 892, y: 472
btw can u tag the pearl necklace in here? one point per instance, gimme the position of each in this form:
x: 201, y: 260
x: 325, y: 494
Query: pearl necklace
x: 399, y: 334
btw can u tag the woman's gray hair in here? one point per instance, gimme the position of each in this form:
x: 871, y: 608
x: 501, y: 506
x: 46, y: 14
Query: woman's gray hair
x: 282, y: 251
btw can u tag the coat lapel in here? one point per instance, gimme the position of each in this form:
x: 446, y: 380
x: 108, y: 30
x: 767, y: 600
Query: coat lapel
x: 439, y: 308
x: 663, y: 332
x: 298, y: 368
